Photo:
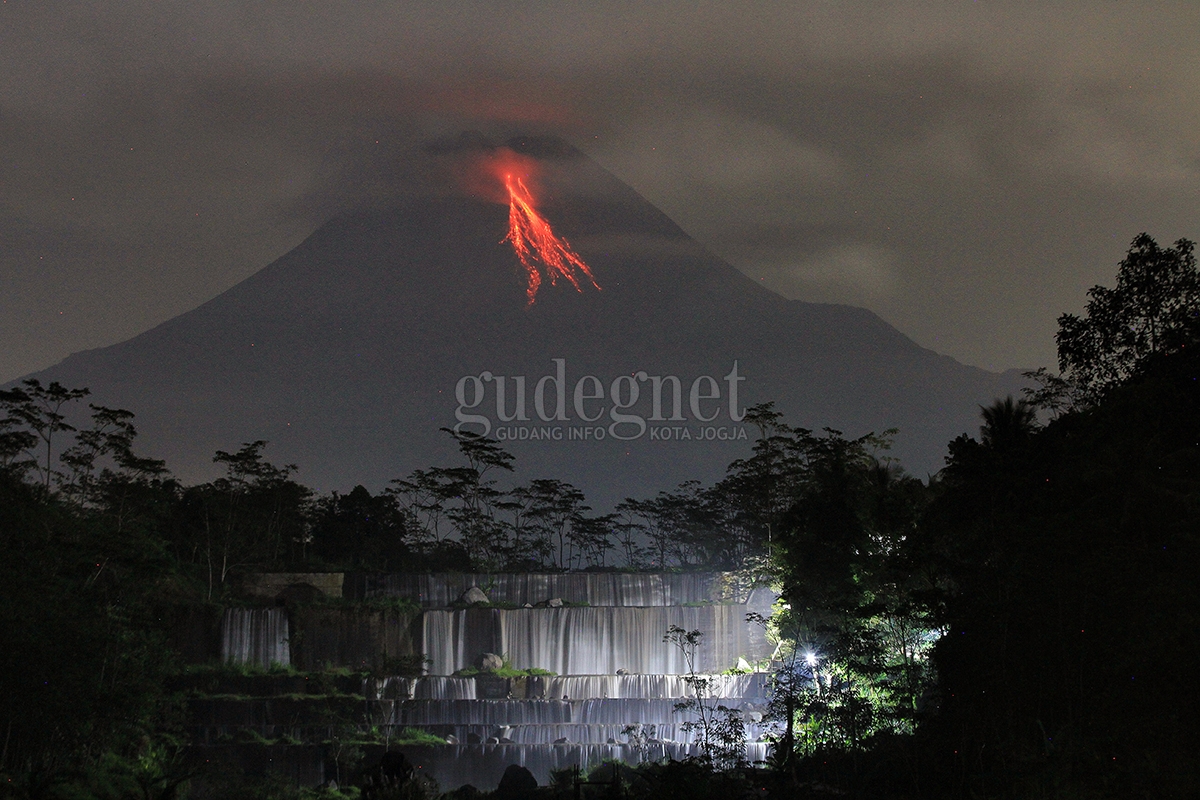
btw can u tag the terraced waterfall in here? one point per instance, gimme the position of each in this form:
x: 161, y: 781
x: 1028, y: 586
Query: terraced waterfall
x: 600, y: 633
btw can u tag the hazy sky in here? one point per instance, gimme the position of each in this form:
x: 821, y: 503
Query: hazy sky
x: 965, y: 169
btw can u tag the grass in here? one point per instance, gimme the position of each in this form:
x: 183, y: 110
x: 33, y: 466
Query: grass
x: 415, y: 736
x: 504, y: 672
x: 238, y: 669
x: 506, y: 605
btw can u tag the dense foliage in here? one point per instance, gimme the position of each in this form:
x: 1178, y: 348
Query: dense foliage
x: 1019, y: 626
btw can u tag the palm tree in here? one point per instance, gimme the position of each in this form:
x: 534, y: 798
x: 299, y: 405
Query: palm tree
x: 1006, y: 423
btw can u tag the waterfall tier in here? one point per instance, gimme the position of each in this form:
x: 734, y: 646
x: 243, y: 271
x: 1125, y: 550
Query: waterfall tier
x: 590, y: 640
x: 590, y: 588
x: 615, y: 671
x: 754, y: 686
x: 482, y: 765
x: 257, y: 636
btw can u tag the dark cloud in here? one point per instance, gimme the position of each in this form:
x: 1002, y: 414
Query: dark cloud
x: 965, y: 171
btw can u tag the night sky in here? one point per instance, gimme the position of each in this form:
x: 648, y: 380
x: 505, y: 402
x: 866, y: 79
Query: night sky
x: 966, y: 170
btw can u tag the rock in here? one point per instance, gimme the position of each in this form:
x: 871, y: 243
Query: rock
x: 464, y: 792
x: 452, y: 739
x: 611, y: 740
x: 743, y: 665
x: 563, y: 740
x: 622, y: 672
x: 516, y: 784
x: 474, y: 738
x: 754, y: 716
x: 528, y: 605
x: 472, y: 596
x: 490, y: 662
x: 492, y: 740
x: 555, y: 602
x: 505, y: 740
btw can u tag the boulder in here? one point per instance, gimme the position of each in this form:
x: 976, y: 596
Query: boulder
x: 452, y: 739
x: 492, y: 740
x: 622, y: 672
x: 472, y: 596
x: 555, y: 602
x: 517, y: 783
x: 474, y: 738
x: 563, y: 740
x: 490, y: 662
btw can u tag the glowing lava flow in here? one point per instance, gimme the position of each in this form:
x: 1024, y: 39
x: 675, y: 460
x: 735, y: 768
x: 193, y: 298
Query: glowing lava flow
x: 533, y: 241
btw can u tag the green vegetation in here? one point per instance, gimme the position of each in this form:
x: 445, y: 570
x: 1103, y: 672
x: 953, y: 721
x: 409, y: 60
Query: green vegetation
x: 1020, y: 622
x: 503, y: 672
x: 415, y: 736
x: 1020, y: 625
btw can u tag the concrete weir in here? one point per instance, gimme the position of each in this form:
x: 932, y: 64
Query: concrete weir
x: 601, y: 634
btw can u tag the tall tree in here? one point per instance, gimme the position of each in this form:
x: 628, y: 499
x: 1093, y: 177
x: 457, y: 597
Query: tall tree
x: 41, y: 410
x: 1068, y: 554
x: 251, y: 515
x: 360, y: 530
x: 555, y: 508
x: 1154, y: 308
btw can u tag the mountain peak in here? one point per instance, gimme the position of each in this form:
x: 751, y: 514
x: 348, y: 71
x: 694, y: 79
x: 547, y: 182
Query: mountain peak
x: 350, y: 352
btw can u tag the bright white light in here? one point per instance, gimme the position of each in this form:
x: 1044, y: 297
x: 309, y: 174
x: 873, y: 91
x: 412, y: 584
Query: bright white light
x: 811, y: 658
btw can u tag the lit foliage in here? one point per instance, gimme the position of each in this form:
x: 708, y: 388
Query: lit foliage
x: 858, y: 612
x: 720, y: 730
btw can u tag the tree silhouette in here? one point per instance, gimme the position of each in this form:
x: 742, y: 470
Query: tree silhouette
x: 1153, y: 309
x: 40, y: 409
x: 1006, y: 423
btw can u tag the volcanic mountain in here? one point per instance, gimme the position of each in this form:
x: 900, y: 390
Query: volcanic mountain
x: 347, y: 352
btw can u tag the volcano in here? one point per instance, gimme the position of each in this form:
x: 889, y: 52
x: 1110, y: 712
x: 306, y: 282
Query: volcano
x: 350, y: 352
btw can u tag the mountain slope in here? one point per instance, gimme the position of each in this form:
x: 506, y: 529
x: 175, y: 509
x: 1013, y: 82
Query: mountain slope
x: 346, y: 352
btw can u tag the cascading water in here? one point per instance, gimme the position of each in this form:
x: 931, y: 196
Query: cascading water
x: 441, y: 590
x: 257, y: 636
x: 587, y: 640
x: 482, y: 765
x: 615, y: 694
x: 614, y: 670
